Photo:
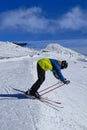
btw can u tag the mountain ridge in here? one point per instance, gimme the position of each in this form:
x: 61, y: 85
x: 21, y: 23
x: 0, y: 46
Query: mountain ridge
x: 13, y: 50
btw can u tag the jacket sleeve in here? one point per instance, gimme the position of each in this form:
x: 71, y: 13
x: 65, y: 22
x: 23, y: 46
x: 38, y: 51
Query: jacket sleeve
x: 57, y: 69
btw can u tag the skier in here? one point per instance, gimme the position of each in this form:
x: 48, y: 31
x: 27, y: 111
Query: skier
x: 44, y: 65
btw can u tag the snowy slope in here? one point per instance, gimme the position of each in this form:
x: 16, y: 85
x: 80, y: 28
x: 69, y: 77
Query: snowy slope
x: 8, y: 50
x: 67, y: 53
x: 18, y: 113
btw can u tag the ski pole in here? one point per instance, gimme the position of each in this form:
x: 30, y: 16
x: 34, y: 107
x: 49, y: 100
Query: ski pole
x: 51, y: 89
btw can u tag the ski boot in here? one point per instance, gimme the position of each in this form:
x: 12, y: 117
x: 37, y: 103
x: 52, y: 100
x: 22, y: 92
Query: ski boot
x: 31, y: 93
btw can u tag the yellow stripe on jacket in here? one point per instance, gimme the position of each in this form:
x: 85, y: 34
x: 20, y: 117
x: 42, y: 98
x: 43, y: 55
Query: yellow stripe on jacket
x: 45, y: 64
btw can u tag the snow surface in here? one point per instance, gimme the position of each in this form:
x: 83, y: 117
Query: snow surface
x: 18, y: 70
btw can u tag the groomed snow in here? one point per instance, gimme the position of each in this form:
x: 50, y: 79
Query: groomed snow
x: 18, y: 70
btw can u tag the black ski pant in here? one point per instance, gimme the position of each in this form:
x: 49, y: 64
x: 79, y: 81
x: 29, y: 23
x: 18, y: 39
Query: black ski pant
x: 40, y: 80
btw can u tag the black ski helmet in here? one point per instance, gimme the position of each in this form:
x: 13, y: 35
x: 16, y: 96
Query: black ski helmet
x: 64, y: 64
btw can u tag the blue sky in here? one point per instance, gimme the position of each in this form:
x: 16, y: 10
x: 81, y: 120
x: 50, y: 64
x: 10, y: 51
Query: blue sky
x: 35, y: 20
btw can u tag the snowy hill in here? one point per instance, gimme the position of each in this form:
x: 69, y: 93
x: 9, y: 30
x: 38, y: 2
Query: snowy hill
x: 9, y: 50
x: 19, y: 71
x: 60, y: 50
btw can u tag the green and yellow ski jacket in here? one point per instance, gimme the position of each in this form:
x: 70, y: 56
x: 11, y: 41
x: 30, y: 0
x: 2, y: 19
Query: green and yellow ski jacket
x: 52, y: 65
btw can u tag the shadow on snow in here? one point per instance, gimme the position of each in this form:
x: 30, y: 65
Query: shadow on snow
x: 14, y: 96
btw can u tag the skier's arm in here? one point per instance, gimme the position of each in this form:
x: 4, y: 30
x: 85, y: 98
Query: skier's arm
x: 58, y: 72
x: 61, y: 77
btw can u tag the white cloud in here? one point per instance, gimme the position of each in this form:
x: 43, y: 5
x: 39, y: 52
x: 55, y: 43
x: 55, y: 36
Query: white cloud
x: 27, y: 19
x: 76, y: 19
x: 32, y: 20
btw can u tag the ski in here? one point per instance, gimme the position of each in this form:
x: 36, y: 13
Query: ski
x: 50, y: 103
x: 46, y: 98
x: 23, y: 92
x: 18, y: 90
x: 42, y: 99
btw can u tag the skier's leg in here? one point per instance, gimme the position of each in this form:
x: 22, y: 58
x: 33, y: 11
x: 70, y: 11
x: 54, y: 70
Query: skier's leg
x: 41, y: 78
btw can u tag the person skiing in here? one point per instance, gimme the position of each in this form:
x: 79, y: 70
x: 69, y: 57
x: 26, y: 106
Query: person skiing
x: 44, y: 65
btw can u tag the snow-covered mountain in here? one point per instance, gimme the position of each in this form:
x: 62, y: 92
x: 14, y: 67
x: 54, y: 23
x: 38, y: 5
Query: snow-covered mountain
x: 64, y: 51
x: 18, y: 70
x: 8, y: 50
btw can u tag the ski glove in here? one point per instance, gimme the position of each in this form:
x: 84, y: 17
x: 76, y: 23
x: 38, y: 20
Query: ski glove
x: 66, y: 81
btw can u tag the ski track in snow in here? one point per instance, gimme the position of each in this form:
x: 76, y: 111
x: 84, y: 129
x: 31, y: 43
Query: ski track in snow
x: 27, y: 114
